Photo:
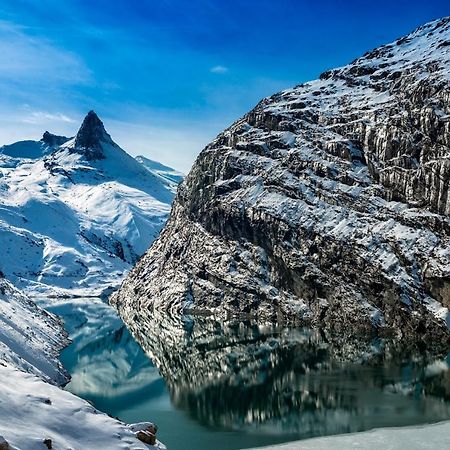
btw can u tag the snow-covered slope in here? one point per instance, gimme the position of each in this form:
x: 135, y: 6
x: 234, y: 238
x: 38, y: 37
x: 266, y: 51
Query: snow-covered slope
x: 74, y: 220
x: 30, y: 338
x: 32, y: 411
x: 428, y: 437
x: 163, y: 171
x: 327, y: 203
x: 33, y: 149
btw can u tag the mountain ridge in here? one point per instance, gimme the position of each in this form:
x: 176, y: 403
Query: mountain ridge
x: 328, y: 203
x: 76, y: 215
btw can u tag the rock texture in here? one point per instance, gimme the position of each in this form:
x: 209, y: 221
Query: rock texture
x: 327, y: 203
x: 31, y: 339
x: 90, y: 137
x: 53, y: 140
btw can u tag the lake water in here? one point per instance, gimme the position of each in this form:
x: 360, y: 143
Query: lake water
x: 223, y: 386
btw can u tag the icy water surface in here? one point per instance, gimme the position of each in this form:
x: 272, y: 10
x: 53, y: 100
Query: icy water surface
x: 224, y: 386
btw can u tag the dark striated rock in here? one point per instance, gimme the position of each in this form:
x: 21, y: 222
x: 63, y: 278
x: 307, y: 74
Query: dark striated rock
x: 4, y: 445
x: 328, y: 204
x: 90, y: 137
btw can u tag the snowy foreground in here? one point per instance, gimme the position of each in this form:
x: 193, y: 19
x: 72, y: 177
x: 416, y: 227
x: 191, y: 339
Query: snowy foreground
x: 432, y: 437
x: 32, y: 406
x: 32, y: 411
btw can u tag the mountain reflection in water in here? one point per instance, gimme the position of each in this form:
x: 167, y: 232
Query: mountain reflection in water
x: 241, y: 375
x: 235, y: 384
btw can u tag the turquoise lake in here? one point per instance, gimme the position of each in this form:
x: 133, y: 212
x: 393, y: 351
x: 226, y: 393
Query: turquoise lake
x: 215, y: 386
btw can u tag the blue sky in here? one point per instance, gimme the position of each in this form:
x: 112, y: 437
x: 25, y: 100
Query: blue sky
x: 166, y: 76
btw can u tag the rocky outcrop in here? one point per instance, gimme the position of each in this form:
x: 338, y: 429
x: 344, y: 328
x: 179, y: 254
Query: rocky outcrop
x: 328, y: 204
x: 3, y: 444
x: 145, y: 432
x: 91, y: 137
x: 53, y: 140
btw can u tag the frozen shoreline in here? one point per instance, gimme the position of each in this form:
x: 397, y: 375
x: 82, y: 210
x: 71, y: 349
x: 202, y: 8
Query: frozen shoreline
x: 432, y: 437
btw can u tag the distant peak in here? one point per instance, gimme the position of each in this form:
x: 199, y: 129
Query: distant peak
x: 91, y: 135
x: 53, y: 140
x: 91, y: 131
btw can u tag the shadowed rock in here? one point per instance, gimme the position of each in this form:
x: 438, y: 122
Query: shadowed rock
x: 91, y: 136
x: 53, y: 140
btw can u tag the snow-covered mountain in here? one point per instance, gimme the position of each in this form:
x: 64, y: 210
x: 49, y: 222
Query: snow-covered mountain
x: 167, y: 173
x: 76, y: 213
x: 327, y: 203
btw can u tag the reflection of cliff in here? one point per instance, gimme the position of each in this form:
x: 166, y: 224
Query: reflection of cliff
x: 233, y: 374
x: 105, y: 362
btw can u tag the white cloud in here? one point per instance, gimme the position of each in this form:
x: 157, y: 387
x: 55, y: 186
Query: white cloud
x: 36, y: 117
x: 219, y: 69
x: 20, y: 124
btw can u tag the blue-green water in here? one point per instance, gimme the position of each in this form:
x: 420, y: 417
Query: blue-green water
x: 239, y: 385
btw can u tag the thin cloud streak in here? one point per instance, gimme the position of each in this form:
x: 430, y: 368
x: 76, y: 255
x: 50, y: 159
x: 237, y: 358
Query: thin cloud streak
x: 39, y: 117
x: 219, y: 69
x: 26, y: 57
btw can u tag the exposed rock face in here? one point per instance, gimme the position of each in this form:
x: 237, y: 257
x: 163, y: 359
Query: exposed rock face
x: 91, y: 136
x: 327, y: 203
x: 53, y: 140
x: 3, y: 444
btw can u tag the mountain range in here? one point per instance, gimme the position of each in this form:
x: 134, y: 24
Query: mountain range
x: 76, y: 213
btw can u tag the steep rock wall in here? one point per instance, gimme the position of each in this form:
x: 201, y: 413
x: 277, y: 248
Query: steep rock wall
x: 327, y: 203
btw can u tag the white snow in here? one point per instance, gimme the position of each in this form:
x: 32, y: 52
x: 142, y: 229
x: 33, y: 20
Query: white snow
x: 30, y: 338
x: 165, y: 172
x: 31, y: 411
x: 428, y: 437
x: 70, y: 226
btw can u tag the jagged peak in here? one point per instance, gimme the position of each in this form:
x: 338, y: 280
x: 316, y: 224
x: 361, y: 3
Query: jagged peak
x: 90, y: 137
x: 53, y: 140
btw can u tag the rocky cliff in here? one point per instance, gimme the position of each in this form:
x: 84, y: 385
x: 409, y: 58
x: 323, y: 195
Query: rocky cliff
x: 327, y: 203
